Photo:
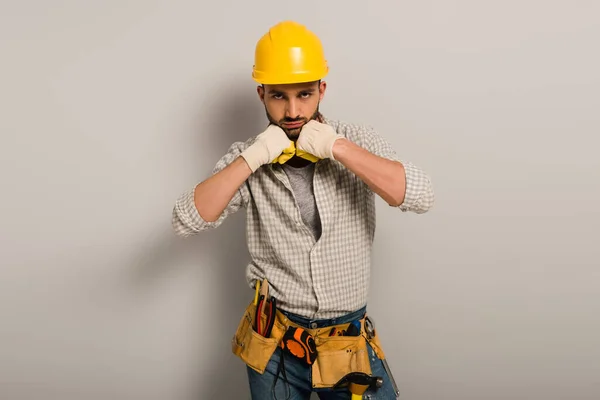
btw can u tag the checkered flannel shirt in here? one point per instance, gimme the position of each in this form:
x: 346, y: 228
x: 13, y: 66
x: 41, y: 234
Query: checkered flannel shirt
x: 317, y: 279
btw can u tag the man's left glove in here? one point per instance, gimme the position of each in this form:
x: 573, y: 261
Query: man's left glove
x: 317, y: 139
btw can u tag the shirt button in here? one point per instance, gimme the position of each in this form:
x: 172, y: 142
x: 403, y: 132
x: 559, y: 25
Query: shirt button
x: 313, y: 325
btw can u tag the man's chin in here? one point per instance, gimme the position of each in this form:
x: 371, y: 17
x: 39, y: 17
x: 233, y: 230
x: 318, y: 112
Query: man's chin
x: 293, y: 134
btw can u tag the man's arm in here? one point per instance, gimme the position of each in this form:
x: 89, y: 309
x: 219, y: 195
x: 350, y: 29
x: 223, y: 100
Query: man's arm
x: 210, y: 202
x: 207, y: 204
x: 368, y: 155
x: 385, y: 177
x: 214, y: 194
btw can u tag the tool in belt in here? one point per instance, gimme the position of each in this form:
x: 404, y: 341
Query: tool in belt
x: 267, y: 306
x: 370, y: 331
x: 300, y: 344
x: 296, y: 341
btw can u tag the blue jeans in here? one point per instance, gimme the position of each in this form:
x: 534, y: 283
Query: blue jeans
x: 299, y: 374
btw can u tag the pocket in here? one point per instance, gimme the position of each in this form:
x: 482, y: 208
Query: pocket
x: 254, y: 349
x: 338, y: 356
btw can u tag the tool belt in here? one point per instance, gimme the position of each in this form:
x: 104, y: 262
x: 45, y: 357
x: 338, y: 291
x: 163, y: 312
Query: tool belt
x: 335, y: 357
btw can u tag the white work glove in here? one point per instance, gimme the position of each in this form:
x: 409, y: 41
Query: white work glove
x: 268, y: 146
x: 318, y: 139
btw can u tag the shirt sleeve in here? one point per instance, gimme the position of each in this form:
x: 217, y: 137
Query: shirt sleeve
x: 419, y: 196
x: 186, y: 220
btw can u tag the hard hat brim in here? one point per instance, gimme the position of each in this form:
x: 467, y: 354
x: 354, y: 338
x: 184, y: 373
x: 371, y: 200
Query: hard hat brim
x: 298, y: 77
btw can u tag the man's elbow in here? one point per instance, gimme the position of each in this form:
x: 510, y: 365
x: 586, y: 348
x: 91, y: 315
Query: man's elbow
x: 397, y: 196
x: 396, y: 200
x: 180, y: 227
x: 425, y: 202
x: 422, y: 204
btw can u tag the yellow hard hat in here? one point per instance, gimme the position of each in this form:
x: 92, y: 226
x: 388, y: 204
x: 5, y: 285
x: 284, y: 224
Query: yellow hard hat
x: 289, y: 53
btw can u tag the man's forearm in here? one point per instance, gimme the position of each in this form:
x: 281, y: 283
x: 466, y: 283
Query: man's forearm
x: 212, y: 195
x: 385, y: 177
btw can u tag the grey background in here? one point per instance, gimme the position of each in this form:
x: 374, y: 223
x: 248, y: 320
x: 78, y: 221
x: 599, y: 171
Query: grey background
x: 110, y: 109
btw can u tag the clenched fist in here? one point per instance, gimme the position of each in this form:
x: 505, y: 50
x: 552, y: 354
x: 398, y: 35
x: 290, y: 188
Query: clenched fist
x: 318, y: 139
x: 268, y: 146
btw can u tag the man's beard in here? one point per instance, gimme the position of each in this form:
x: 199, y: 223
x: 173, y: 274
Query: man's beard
x: 293, y: 134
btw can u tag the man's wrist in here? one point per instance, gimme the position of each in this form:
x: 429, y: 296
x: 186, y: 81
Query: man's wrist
x: 244, y: 164
x: 339, y: 148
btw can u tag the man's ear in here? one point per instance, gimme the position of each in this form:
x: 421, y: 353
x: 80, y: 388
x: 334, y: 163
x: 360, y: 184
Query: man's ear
x: 261, y: 93
x: 322, y: 89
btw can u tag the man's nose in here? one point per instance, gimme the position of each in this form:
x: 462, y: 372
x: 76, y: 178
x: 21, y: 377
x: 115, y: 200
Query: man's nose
x: 291, y: 110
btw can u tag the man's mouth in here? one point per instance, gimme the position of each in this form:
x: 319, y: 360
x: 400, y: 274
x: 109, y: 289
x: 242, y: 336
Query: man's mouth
x: 293, y: 125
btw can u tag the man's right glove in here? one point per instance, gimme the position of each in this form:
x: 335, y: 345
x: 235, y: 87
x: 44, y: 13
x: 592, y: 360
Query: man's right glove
x: 268, y: 146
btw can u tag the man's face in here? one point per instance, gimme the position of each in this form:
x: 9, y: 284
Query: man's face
x: 291, y: 106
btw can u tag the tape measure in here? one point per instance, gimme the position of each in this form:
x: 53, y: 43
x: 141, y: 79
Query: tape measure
x: 300, y: 344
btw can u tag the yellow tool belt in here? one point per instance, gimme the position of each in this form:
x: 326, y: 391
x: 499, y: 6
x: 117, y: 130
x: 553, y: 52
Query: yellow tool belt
x: 336, y: 355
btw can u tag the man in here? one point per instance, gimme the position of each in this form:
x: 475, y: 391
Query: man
x: 308, y: 185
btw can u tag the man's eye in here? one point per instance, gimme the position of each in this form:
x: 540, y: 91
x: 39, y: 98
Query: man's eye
x: 305, y: 95
x: 277, y: 96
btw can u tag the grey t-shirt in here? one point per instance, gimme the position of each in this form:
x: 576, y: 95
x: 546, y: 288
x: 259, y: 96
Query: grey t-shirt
x: 301, y: 180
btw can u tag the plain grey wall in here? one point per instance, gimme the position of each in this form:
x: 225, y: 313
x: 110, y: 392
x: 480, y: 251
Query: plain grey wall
x: 110, y: 109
